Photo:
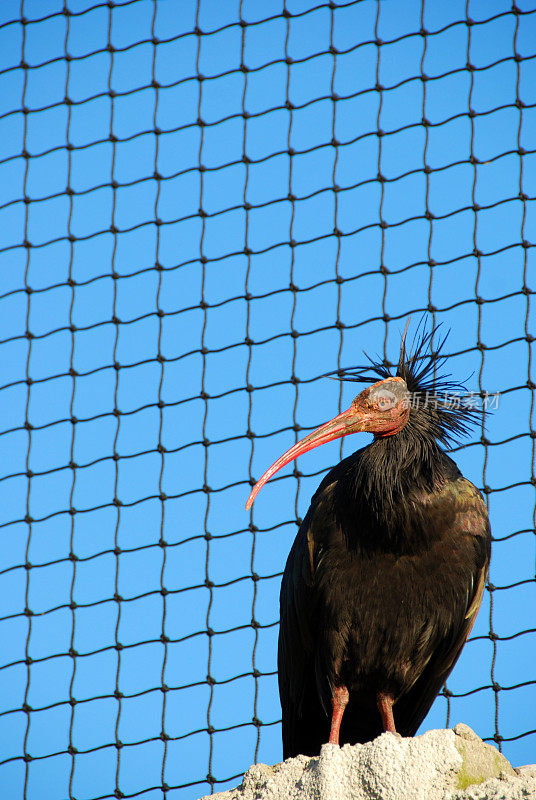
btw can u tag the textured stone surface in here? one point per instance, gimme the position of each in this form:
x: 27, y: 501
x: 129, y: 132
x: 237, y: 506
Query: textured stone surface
x: 439, y: 765
x: 481, y: 761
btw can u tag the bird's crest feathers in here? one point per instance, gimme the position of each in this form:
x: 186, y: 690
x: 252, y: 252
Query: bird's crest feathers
x: 440, y: 407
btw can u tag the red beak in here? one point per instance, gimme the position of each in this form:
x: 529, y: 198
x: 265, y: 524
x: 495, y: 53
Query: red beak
x: 350, y: 421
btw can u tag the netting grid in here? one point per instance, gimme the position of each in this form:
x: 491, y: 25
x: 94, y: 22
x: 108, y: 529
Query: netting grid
x: 205, y: 207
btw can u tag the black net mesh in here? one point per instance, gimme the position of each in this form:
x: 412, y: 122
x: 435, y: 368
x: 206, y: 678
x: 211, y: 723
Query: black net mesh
x: 205, y: 207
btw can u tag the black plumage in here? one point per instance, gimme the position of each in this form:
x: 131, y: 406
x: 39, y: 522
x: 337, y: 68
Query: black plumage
x: 386, y: 574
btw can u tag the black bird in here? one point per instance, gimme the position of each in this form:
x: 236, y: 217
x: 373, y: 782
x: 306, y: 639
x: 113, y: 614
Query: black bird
x: 386, y: 575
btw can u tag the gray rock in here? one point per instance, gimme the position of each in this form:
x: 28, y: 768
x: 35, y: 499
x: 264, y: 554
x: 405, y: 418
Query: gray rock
x: 528, y: 771
x: 481, y: 761
x: 439, y: 765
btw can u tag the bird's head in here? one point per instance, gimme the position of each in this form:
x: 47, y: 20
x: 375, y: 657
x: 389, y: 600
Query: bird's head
x: 415, y: 399
x: 382, y: 409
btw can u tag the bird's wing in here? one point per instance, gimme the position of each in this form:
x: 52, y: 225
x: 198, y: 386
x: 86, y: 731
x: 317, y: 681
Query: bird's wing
x: 298, y: 691
x: 472, y: 522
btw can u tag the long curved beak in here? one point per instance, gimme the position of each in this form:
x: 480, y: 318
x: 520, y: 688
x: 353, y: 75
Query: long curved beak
x: 350, y: 421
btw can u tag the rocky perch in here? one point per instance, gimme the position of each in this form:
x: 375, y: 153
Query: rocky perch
x: 439, y: 765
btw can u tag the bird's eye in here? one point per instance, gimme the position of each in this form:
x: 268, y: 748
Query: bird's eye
x: 385, y: 400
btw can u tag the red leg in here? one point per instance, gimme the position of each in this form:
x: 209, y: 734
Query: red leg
x: 385, y: 707
x: 339, y: 701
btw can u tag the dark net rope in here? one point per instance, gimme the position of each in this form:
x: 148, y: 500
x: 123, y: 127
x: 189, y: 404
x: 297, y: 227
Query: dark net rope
x: 288, y: 240
x: 71, y: 748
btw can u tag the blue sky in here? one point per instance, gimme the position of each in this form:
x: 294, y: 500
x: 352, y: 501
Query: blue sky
x: 216, y: 319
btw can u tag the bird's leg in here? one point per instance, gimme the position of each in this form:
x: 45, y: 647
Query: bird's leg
x: 385, y: 707
x: 339, y: 701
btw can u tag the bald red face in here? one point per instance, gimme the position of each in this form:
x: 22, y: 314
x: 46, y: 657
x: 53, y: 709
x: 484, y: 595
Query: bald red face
x: 382, y: 409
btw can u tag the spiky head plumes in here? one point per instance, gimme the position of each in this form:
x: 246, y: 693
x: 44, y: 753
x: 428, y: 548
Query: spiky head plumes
x: 440, y: 408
